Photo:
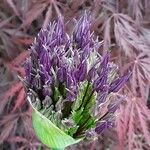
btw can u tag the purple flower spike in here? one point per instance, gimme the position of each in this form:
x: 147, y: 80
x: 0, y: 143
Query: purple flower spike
x: 104, y: 65
x: 81, y: 72
x: 62, y: 74
x: 82, y: 36
x: 100, y: 83
x: 117, y: 84
x: 112, y: 107
x: 101, y: 98
x: 69, y: 80
x: 91, y: 74
x: 45, y: 60
x: 102, y: 126
x: 105, y: 61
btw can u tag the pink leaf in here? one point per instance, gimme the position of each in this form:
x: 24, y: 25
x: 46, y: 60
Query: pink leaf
x: 12, y: 5
x: 20, y: 100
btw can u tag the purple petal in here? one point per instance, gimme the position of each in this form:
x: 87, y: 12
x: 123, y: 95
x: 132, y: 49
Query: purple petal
x: 91, y: 74
x: 101, y: 98
x: 62, y: 74
x: 82, y: 35
x: 71, y: 94
x: 81, y: 72
x: 104, y: 65
x: 69, y: 80
x: 100, y: 83
x: 102, y: 126
x: 112, y: 107
x: 117, y: 84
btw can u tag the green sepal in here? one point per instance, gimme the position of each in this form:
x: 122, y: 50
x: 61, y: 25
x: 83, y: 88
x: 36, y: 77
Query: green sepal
x: 79, y: 101
x: 82, y: 110
x: 56, y: 94
x: 49, y: 134
x: 76, y: 115
x: 72, y: 130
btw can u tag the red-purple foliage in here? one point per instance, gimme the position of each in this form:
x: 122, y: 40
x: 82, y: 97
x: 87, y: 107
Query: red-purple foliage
x: 132, y: 124
x: 125, y: 28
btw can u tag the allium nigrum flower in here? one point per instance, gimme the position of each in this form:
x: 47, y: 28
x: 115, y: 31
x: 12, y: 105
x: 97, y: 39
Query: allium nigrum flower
x: 70, y: 83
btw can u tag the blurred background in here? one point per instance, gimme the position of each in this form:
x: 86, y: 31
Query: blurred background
x: 124, y: 27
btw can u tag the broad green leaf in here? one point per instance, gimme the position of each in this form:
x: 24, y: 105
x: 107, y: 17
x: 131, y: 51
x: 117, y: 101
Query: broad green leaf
x: 50, y: 134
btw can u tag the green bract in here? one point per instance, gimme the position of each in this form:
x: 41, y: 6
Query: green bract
x: 50, y: 134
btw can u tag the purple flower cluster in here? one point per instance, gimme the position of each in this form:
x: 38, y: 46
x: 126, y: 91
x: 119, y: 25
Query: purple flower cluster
x: 60, y: 63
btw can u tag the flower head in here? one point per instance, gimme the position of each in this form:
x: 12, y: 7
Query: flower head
x: 71, y: 81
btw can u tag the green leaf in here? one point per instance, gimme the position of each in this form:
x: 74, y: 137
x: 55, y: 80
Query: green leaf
x: 82, y: 110
x: 90, y: 123
x: 72, y: 130
x: 76, y: 115
x: 50, y: 134
x: 84, y: 116
x: 56, y: 94
x: 79, y: 99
